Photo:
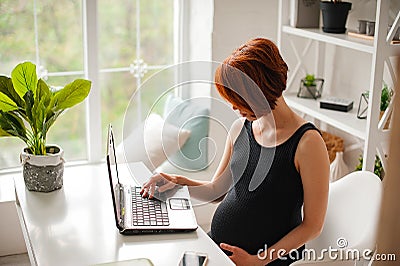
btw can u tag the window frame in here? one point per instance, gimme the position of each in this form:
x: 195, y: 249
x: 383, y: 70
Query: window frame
x: 91, y: 71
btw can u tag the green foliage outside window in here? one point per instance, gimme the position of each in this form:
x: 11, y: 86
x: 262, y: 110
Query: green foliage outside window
x: 60, y: 49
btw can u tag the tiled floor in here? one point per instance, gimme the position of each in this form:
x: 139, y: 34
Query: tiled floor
x: 15, y: 260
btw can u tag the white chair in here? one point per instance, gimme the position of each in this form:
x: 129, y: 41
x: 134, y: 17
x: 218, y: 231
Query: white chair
x: 351, y: 221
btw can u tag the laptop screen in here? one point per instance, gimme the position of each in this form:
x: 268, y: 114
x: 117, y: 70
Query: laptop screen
x: 113, y: 175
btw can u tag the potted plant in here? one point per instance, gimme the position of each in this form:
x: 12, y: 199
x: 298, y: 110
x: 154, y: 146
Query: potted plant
x: 28, y: 109
x: 310, y: 87
x: 334, y: 15
x: 386, y: 97
x: 378, y: 168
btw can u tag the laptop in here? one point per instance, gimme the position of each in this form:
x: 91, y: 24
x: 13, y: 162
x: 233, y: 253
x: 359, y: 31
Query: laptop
x: 167, y: 212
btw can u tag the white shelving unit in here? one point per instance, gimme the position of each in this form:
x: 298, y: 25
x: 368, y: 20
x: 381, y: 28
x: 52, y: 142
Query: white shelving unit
x: 371, y: 130
x: 346, y: 121
x: 338, y: 39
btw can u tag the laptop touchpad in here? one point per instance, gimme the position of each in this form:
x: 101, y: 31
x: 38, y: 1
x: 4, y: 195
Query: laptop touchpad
x: 179, y: 204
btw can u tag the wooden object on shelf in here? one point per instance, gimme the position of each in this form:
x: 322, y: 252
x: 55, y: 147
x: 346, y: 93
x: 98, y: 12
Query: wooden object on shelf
x: 366, y: 37
x: 333, y: 144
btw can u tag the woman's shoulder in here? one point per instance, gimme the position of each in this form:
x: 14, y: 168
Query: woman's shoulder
x: 236, y: 128
x: 311, y: 140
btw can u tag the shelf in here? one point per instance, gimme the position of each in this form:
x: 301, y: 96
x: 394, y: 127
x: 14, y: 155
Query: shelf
x: 345, y: 121
x: 343, y: 40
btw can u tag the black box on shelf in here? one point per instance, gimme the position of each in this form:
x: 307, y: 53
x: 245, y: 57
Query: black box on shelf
x: 337, y: 104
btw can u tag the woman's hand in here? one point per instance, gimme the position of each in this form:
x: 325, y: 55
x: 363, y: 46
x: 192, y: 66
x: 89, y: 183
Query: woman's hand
x: 241, y: 257
x: 159, y: 182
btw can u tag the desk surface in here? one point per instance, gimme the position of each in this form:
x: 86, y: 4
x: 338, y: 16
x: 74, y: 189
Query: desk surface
x: 75, y: 226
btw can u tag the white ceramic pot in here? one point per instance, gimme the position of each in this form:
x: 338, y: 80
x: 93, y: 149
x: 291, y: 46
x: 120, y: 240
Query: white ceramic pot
x: 43, y: 173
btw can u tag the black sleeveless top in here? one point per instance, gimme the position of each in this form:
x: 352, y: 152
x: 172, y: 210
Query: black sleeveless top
x: 265, y: 200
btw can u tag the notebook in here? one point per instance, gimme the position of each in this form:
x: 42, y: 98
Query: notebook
x: 167, y: 212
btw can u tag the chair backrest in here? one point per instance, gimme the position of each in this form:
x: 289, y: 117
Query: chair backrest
x: 352, y: 214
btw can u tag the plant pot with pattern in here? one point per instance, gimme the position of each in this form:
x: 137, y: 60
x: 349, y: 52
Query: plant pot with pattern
x: 28, y: 109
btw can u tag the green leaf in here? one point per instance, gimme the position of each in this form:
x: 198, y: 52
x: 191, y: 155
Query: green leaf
x: 24, y: 78
x: 385, y: 97
x: 43, y: 96
x: 50, y: 119
x: 309, y: 80
x: 6, y: 104
x: 43, y: 92
x: 40, y: 118
x: 29, y: 102
x: 72, y: 94
x: 7, y: 88
x: 4, y: 133
x: 13, y: 125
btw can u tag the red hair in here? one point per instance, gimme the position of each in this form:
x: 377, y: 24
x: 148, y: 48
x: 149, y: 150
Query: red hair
x: 252, y: 76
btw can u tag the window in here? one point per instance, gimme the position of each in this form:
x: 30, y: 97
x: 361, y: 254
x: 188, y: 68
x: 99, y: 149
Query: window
x: 135, y: 39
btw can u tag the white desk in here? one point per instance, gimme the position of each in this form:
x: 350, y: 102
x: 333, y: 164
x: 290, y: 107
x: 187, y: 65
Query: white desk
x: 75, y: 226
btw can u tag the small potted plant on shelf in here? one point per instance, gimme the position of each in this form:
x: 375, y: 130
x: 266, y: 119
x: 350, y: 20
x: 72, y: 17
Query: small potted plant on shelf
x: 334, y: 15
x: 28, y: 109
x: 310, y: 87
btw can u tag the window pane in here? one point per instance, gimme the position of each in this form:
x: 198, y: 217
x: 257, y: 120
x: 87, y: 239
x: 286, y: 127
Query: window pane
x: 155, y: 85
x: 117, y: 33
x: 116, y: 91
x: 69, y: 131
x: 60, y: 33
x: 17, y: 34
x: 157, y: 31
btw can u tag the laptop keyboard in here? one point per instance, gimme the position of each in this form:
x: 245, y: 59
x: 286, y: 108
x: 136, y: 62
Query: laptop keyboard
x: 148, y: 212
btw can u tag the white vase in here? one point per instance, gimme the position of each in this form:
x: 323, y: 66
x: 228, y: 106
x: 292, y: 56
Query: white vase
x: 338, y: 167
x: 43, y: 173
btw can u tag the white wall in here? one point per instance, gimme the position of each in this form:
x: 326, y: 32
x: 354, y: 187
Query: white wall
x: 235, y: 22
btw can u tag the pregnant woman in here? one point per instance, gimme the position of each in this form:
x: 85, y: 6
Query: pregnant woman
x: 273, y: 178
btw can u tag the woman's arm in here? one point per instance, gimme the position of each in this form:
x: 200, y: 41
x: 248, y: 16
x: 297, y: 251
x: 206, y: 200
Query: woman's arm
x: 212, y: 190
x: 312, y: 162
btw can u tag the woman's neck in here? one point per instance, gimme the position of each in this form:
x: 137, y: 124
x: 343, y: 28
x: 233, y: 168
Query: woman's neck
x: 277, y: 126
x: 279, y: 118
